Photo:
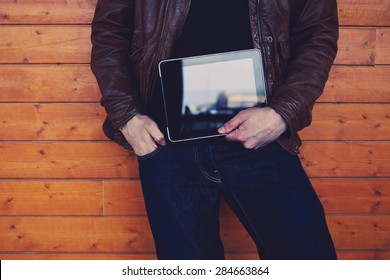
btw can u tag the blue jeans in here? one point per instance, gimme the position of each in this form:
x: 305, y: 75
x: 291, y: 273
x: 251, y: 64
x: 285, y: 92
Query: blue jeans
x: 267, y: 189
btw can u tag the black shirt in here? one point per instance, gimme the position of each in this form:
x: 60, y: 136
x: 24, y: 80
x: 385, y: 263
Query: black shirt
x: 214, y: 26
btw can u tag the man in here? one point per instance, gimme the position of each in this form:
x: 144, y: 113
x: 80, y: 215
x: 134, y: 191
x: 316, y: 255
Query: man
x: 255, y: 168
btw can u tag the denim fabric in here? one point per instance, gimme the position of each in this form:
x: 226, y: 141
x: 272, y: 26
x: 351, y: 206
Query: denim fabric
x: 266, y: 188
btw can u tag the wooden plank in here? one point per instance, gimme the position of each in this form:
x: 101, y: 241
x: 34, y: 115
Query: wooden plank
x: 45, y: 44
x: 51, y: 122
x: 349, y: 122
x: 123, y: 197
x: 346, y: 159
x: 351, y: 12
x: 48, y: 83
x: 46, y: 11
x: 357, y: 84
x: 66, y: 160
x: 128, y: 235
x: 92, y: 235
x: 354, y: 196
x: 363, y: 255
x: 364, y: 12
x: 383, y: 46
x: 51, y: 198
x: 360, y: 232
x: 71, y: 44
x: 132, y: 235
x: 108, y: 160
x: 84, y: 121
x: 76, y: 83
x: 356, y: 46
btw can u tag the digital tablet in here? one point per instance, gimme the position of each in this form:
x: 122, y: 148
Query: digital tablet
x: 201, y: 93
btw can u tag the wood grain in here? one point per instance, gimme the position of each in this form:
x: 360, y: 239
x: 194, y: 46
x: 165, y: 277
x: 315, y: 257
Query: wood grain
x: 363, y: 255
x: 354, y: 196
x: 108, y: 160
x: 358, y: 85
x: 351, y: 12
x: 84, y: 122
x: 360, y: 232
x: 349, y: 122
x: 346, y: 159
x: 66, y: 160
x: 76, y: 83
x: 364, y: 12
x: 71, y: 44
x: 356, y: 46
x: 45, y: 44
x: 123, y: 198
x: 88, y: 234
x: 383, y: 46
x: 51, y: 122
x: 48, y: 83
x: 132, y: 235
x: 51, y: 198
x: 46, y: 11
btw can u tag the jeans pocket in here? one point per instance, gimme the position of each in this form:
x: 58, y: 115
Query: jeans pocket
x: 151, y: 154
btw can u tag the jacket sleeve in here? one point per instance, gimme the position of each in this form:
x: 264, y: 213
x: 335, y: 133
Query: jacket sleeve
x: 313, y: 41
x: 112, y: 29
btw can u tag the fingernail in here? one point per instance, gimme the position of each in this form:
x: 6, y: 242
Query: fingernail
x: 163, y: 143
x: 221, y: 130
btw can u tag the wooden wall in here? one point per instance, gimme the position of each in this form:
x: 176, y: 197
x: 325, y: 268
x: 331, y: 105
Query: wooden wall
x: 68, y: 193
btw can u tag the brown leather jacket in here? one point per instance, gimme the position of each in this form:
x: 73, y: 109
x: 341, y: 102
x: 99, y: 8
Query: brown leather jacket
x: 298, y: 40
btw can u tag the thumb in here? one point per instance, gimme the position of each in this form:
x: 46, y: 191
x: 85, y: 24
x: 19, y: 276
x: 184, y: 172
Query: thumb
x: 232, y: 124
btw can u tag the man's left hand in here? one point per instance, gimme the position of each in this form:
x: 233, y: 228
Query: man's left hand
x: 254, y: 127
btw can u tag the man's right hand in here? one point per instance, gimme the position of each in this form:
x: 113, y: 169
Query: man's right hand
x: 143, y: 134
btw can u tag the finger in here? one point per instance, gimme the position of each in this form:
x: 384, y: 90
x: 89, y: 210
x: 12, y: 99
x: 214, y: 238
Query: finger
x: 232, y: 124
x: 145, y: 148
x: 156, y: 133
x: 253, y: 143
x: 235, y: 135
x: 231, y: 136
x: 144, y: 144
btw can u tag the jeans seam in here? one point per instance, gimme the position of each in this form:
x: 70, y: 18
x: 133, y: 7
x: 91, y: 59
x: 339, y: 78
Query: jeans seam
x: 249, y: 222
x: 204, y: 173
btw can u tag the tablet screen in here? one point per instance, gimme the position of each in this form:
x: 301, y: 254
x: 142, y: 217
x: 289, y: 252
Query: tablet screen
x: 202, y: 93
